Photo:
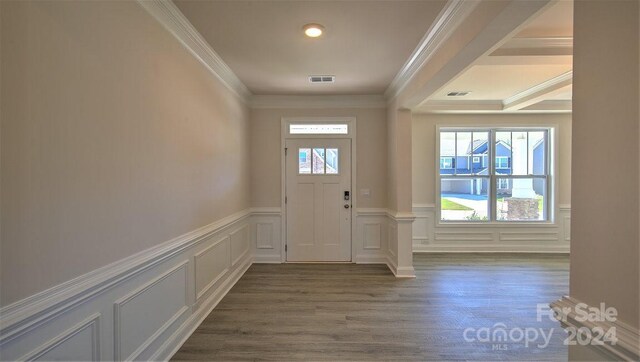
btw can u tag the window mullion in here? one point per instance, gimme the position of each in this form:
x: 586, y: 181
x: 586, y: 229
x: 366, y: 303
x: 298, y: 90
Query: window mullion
x: 492, y: 177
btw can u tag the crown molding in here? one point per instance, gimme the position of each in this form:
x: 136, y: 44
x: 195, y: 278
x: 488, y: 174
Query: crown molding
x: 492, y: 106
x: 451, y: 16
x: 317, y: 101
x: 168, y: 14
x: 460, y: 106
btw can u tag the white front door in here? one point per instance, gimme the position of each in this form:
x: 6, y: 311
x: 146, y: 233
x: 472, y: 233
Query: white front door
x: 318, y: 199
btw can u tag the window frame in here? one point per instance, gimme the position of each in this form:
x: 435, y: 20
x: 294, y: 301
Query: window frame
x: 450, y: 161
x: 550, y: 205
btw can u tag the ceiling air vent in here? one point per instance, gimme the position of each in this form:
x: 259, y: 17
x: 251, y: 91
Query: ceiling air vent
x: 322, y: 78
x: 458, y: 94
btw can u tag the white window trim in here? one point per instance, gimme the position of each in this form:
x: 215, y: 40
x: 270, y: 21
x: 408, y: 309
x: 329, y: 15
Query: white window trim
x: 552, y: 162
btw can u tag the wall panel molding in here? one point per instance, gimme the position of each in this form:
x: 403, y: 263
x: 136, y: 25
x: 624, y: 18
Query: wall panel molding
x: 210, y: 265
x: 92, y: 324
x: 143, y: 300
x: 430, y: 236
x: 150, y: 299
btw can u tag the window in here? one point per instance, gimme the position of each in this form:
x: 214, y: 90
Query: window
x: 318, y: 161
x: 503, y: 184
x: 304, y: 160
x: 446, y: 162
x: 502, y: 162
x: 494, y: 175
x: 329, y: 128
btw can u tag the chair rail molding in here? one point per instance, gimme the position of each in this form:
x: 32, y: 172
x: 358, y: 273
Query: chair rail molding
x: 627, y: 345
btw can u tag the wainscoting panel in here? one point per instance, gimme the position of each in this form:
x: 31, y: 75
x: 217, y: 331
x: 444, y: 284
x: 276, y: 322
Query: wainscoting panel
x: 239, y: 244
x: 370, y: 245
x: 82, y: 341
x: 266, y: 235
x: 143, y: 314
x: 211, y: 264
x: 430, y: 236
x: 372, y: 239
x: 142, y: 307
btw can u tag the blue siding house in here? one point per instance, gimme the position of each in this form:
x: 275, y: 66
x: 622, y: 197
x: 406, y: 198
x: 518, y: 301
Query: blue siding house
x: 475, y: 161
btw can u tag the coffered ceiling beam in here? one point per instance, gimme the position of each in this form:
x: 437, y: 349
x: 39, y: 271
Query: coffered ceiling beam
x: 538, y: 92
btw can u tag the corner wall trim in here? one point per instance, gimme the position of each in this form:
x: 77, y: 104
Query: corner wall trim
x: 628, y: 338
x: 168, y: 14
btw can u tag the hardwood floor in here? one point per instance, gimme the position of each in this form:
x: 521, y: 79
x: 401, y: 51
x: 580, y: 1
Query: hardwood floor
x: 362, y: 312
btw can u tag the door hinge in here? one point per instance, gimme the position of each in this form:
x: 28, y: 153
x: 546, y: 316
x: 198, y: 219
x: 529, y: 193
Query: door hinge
x: 285, y: 151
x: 285, y: 247
x: 285, y: 199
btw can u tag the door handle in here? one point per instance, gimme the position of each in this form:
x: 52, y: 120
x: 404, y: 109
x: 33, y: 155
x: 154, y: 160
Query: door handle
x: 346, y: 206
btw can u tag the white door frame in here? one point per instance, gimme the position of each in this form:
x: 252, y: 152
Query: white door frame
x: 284, y: 135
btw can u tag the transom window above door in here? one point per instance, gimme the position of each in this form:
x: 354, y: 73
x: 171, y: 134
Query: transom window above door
x: 319, y: 128
x: 318, y: 161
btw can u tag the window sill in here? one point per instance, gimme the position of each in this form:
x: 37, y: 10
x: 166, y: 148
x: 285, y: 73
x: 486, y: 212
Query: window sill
x: 532, y: 224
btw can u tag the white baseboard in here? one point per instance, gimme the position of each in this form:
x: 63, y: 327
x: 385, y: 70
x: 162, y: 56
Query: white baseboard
x: 267, y: 259
x: 627, y: 346
x: 173, y: 344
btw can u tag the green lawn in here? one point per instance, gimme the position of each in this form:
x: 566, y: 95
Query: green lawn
x: 447, y: 204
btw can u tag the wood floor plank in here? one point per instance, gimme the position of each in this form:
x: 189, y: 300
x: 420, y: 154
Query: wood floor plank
x: 362, y: 312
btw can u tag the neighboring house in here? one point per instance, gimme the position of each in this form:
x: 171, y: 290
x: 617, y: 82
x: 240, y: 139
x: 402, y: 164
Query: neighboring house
x: 475, y: 161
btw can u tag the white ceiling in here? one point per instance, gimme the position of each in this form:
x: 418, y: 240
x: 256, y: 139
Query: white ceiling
x: 530, y: 64
x: 364, y: 46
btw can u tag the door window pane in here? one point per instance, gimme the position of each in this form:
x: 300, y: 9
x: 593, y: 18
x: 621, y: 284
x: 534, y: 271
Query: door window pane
x: 304, y: 160
x: 464, y: 199
x: 332, y: 161
x: 521, y: 199
x: 318, y: 160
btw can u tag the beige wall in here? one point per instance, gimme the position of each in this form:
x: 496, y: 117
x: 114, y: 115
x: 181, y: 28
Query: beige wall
x: 113, y: 139
x: 605, y: 242
x: 371, y: 152
x: 424, y: 147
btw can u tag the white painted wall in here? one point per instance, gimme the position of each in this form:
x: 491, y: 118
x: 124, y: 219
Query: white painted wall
x: 430, y: 235
x: 124, y: 180
x: 605, y: 252
x: 114, y: 140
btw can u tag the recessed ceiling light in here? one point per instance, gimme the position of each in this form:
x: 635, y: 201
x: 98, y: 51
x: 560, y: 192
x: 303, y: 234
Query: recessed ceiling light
x: 313, y: 30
